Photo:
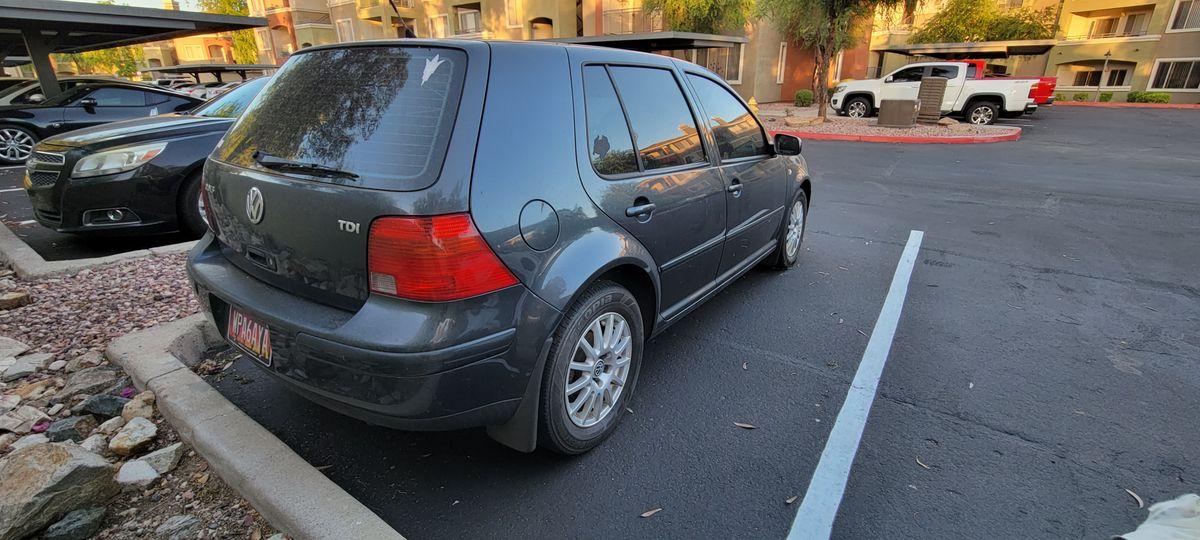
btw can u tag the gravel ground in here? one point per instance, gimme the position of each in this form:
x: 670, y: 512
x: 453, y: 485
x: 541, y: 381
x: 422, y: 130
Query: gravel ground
x: 72, y: 315
x: 866, y: 126
x: 73, y: 318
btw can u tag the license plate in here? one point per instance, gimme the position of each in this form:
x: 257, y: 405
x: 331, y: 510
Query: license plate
x: 249, y: 335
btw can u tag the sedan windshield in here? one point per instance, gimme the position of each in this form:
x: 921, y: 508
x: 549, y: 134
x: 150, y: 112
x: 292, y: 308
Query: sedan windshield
x: 232, y: 103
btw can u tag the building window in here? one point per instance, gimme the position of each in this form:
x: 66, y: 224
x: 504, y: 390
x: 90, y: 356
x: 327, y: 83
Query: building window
x: 724, y: 61
x: 344, y: 30
x: 1187, y: 15
x: 469, y: 21
x: 437, y: 26
x: 1116, y: 77
x: 782, y: 62
x: 1177, y: 75
x: 1087, y: 78
x: 512, y: 13
x: 264, y: 38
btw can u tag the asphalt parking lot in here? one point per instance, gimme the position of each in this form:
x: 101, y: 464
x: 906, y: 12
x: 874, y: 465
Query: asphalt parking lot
x: 1047, y: 360
x: 17, y: 213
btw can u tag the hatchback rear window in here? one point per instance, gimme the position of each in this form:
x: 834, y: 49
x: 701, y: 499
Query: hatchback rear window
x: 384, y: 114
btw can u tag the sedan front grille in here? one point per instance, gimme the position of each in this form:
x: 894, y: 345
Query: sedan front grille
x: 49, y: 158
x: 43, y: 178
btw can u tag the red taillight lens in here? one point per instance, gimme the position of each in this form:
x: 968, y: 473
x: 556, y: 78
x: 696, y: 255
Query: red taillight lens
x: 432, y: 259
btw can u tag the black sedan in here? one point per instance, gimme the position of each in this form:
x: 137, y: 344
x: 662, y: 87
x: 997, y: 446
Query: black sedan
x: 136, y: 176
x: 22, y: 126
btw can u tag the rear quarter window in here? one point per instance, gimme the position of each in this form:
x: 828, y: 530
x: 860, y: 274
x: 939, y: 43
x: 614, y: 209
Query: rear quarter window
x: 383, y: 113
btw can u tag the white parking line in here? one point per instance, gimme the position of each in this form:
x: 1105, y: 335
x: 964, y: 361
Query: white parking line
x: 12, y: 189
x: 7, y: 167
x: 814, y: 518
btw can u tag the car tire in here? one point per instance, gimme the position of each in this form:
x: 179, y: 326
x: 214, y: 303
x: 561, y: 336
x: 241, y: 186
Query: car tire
x: 791, y: 234
x: 604, y: 306
x: 16, y: 144
x: 982, y: 113
x: 191, y: 217
x: 858, y: 107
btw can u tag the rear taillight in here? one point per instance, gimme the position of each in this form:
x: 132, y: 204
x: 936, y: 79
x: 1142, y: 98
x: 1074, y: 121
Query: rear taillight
x: 432, y: 259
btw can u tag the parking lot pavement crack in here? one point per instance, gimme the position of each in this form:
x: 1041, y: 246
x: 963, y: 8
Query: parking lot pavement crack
x: 790, y: 360
x: 955, y: 417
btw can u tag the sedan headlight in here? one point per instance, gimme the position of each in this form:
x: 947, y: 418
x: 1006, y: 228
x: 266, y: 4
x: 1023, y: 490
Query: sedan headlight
x: 117, y: 160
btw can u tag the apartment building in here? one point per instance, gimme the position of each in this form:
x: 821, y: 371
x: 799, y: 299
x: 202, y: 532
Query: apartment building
x: 291, y: 25
x: 1115, y: 46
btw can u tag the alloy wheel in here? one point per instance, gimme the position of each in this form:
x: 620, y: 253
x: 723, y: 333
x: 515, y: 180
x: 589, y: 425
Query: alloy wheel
x: 856, y: 109
x: 981, y: 115
x: 795, y: 229
x: 15, y: 144
x: 598, y: 370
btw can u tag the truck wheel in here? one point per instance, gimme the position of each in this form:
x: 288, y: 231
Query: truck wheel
x: 982, y: 113
x: 591, y: 371
x: 858, y: 107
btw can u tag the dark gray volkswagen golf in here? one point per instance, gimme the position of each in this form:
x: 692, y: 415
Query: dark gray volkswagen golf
x: 431, y: 235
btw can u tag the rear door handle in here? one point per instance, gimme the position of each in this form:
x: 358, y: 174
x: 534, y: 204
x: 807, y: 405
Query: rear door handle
x: 640, y: 210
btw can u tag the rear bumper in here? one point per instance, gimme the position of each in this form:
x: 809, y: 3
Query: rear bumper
x: 407, y: 365
x: 1031, y: 108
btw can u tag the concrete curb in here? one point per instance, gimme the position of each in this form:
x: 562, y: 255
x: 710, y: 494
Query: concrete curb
x: 28, y: 264
x: 1126, y: 105
x: 287, y: 490
x: 903, y: 139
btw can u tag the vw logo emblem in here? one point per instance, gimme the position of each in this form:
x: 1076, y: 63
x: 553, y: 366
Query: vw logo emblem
x: 254, y: 205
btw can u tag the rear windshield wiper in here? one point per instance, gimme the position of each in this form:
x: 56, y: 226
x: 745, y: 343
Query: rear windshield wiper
x: 315, y: 169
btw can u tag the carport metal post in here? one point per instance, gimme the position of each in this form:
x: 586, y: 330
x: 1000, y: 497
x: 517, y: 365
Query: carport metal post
x: 39, y: 54
x: 1107, y: 55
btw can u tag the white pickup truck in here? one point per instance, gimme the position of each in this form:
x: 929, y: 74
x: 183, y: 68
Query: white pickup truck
x: 978, y: 101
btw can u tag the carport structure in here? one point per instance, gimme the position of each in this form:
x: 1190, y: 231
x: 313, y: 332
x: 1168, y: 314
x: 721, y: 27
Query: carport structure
x: 216, y: 70
x: 38, y: 29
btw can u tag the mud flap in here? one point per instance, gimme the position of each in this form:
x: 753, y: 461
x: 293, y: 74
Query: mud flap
x: 520, y: 432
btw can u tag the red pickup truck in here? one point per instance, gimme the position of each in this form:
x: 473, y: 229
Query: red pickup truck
x: 1042, y: 91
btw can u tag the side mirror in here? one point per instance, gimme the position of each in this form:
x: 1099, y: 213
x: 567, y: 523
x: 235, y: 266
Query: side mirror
x: 888, y: 79
x: 787, y: 145
x: 88, y: 102
x: 36, y: 98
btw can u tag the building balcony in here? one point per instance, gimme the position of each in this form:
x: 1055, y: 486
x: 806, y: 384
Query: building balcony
x: 375, y: 10
x: 632, y: 21
x: 1105, y: 35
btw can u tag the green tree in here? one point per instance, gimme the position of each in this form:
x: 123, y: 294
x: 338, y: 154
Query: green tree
x: 704, y: 16
x: 825, y: 26
x: 120, y: 61
x: 983, y: 20
x: 245, y: 51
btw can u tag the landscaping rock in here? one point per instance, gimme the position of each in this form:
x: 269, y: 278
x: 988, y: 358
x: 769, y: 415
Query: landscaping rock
x: 74, y: 428
x: 141, y: 406
x: 6, y: 440
x: 14, y: 299
x: 44, y: 481
x: 86, y: 360
x: 77, y: 525
x: 11, y: 347
x: 795, y: 121
x: 136, y: 474
x: 164, y: 460
x: 29, y: 440
x: 32, y: 390
x: 947, y: 121
x: 26, y: 365
x: 178, y: 527
x: 111, y: 425
x: 89, y: 381
x: 57, y: 365
x: 133, y: 437
x: 104, y: 405
x: 9, y: 402
x: 96, y: 443
x: 21, y: 419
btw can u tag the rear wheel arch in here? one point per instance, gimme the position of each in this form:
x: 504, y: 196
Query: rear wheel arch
x: 637, y: 281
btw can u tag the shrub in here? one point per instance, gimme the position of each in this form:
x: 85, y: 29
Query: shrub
x: 1148, y: 97
x: 1106, y: 96
x: 1079, y: 96
x: 1059, y: 96
x: 804, y: 98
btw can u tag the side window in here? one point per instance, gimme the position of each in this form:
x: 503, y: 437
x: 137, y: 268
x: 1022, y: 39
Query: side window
x: 912, y: 74
x: 972, y: 71
x: 118, y: 97
x: 608, y: 135
x: 664, y: 131
x: 155, y: 98
x: 737, y: 133
x: 948, y: 72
